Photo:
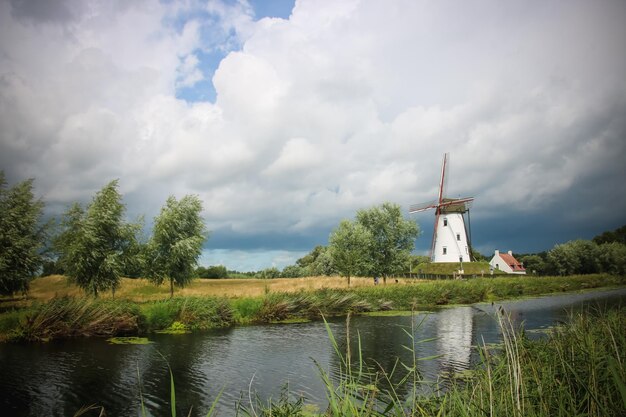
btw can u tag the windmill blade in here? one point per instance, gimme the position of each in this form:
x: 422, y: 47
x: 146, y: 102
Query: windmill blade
x: 457, y: 205
x: 432, y: 244
x: 415, y: 208
x: 457, y: 201
x: 444, y: 177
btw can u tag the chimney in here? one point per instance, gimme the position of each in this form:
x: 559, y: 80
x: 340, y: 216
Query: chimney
x: 510, y: 252
x: 497, y: 252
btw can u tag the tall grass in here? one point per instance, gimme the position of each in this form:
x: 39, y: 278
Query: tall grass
x: 70, y: 317
x: 195, y: 313
x: 579, y: 370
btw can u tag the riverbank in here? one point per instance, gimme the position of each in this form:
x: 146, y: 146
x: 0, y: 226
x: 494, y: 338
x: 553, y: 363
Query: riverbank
x: 78, y: 316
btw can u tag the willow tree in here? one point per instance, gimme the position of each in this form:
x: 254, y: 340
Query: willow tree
x: 392, y: 238
x: 349, y: 246
x: 21, y: 236
x: 93, y: 243
x: 176, y: 242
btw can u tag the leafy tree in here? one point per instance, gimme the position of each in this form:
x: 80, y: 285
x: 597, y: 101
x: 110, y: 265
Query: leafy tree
x: 588, y: 254
x: 574, y: 257
x: 612, y: 258
x: 317, y: 262
x: 92, y: 245
x: 533, y: 264
x: 71, y: 227
x: 176, y: 242
x: 212, y: 272
x: 322, y: 265
x: 21, y: 236
x: 349, y: 246
x: 562, y: 260
x: 293, y: 271
x: 309, y: 258
x: 618, y: 235
x: 393, y: 238
x: 269, y: 273
x: 134, y: 250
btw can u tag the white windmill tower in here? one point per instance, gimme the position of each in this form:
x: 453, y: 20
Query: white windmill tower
x: 450, y: 242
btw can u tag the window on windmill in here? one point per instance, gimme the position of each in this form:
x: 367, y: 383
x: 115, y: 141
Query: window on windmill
x: 445, y: 250
x: 458, y: 236
x: 445, y: 222
x: 466, y: 251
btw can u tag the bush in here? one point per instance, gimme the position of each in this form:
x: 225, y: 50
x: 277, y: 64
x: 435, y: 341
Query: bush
x: 212, y: 272
x: 160, y: 314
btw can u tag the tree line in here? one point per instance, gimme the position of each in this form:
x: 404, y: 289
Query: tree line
x: 606, y: 253
x: 94, y: 246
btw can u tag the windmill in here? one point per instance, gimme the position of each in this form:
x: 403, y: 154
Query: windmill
x: 450, y: 242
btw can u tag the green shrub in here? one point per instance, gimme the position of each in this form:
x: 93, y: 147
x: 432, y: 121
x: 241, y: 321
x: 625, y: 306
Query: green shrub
x: 245, y: 310
x: 160, y: 314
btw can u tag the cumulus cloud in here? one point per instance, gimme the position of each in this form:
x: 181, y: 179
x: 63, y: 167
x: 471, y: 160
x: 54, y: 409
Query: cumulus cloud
x: 342, y: 106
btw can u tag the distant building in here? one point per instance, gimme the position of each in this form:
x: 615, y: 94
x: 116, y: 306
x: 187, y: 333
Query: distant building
x: 505, y: 262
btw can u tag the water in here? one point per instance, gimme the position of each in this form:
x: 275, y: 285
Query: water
x: 58, y: 378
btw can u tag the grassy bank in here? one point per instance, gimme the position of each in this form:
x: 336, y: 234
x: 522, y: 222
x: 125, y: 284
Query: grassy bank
x: 69, y: 316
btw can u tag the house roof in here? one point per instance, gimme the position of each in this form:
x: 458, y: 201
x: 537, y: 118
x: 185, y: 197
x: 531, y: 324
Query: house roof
x: 512, y: 262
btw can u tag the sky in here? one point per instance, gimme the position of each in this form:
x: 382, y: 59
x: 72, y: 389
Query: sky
x: 286, y: 117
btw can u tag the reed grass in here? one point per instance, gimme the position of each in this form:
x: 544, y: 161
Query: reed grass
x: 71, y: 317
x: 579, y: 370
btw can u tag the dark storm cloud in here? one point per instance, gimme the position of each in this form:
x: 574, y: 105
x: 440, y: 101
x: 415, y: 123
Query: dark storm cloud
x: 46, y: 11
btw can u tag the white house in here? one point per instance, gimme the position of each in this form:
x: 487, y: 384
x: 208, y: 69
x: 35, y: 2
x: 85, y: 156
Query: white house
x: 507, y: 263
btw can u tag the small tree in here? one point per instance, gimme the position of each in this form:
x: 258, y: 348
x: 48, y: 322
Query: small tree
x: 269, y: 273
x: 349, y: 246
x: 533, y: 264
x: 176, y: 242
x: 215, y: 272
x: 92, y: 246
x: 21, y: 236
x: 393, y: 238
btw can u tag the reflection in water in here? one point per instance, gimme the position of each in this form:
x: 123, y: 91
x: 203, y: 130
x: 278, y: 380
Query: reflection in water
x: 454, y: 338
x: 58, y: 378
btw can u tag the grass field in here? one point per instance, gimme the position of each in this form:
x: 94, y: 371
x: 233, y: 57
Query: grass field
x: 46, y: 288
x: 141, y: 290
